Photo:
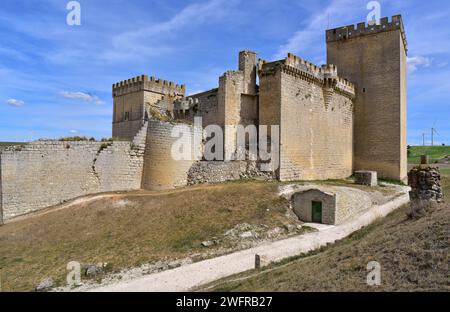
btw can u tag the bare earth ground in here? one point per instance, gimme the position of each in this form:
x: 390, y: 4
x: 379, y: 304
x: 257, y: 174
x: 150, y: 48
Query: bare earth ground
x: 413, y: 254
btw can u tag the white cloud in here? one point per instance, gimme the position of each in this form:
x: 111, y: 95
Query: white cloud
x: 415, y: 62
x: 150, y: 40
x: 311, y: 36
x: 82, y: 97
x: 73, y: 131
x: 14, y: 102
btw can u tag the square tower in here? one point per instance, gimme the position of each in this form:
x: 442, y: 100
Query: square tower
x: 374, y: 58
x: 135, y: 99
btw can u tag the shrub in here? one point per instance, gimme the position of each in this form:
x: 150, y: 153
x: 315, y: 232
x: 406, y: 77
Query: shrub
x: 74, y: 138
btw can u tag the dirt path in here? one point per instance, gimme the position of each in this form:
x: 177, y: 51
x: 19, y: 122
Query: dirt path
x: 187, y: 277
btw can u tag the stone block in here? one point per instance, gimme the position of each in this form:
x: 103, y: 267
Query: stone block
x: 424, y: 159
x: 364, y: 177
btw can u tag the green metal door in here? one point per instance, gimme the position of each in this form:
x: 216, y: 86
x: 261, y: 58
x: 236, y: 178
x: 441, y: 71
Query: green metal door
x: 316, y: 212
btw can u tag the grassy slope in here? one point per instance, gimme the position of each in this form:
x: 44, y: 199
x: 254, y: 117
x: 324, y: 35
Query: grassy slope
x: 435, y: 153
x: 170, y: 225
x: 414, y: 256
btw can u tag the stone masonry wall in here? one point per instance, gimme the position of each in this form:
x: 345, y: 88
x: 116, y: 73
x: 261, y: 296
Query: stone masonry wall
x: 161, y: 170
x: 132, y: 104
x: 126, y: 130
x: 221, y: 171
x: 42, y: 174
x: 229, y: 98
x: 302, y: 205
x: 208, y: 107
x: 316, y: 139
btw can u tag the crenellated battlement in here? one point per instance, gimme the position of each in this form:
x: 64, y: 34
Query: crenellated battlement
x: 295, y: 61
x: 346, y: 87
x: 144, y: 83
x: 363, y: 29
x: 324, y: 76
x: 329, y: 71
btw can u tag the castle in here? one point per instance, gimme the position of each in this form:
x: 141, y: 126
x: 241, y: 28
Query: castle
x: 345, y: 116
x: 333, y: 120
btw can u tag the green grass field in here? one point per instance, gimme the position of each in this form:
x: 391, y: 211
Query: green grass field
x: 435, y: 153
x: 11, y: 143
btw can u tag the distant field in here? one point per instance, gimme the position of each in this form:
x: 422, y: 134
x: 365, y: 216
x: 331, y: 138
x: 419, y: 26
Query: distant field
x: 11, y: 143
x: 445, y: 172
x: 435, y: 153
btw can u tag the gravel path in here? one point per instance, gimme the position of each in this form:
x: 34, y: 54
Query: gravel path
x: 193, y: 275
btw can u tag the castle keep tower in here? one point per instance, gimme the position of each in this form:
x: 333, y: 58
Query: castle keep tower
x: 374, y: 59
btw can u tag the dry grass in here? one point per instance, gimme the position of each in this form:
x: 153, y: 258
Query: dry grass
x: 150, y: 227
x: 414, y: 256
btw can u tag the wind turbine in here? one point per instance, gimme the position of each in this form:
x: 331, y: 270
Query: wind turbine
x: 433, y: 131
x: 423, y: 138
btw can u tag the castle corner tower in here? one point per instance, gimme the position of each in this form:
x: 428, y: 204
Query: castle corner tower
x: 374, y: 59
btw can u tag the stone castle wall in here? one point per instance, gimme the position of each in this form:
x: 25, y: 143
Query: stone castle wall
x: 42, y: 174
x: 127, y: 130
x: 325, y: 133
x: 161, y: 170
x: 315, y: 114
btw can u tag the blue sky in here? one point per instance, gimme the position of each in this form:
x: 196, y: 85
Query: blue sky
x: 55, y: 79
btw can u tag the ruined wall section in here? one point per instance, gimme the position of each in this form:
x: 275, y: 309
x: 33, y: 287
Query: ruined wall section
x: 231, y: 86
x: 208, y: 107
x: 374, y: 59
x: 161, y: 170
x: 247, y: 64
x: 221, y: 171
x: 46, y: 173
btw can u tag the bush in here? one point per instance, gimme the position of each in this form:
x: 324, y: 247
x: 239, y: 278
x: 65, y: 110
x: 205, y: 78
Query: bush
x: 74, y: 138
